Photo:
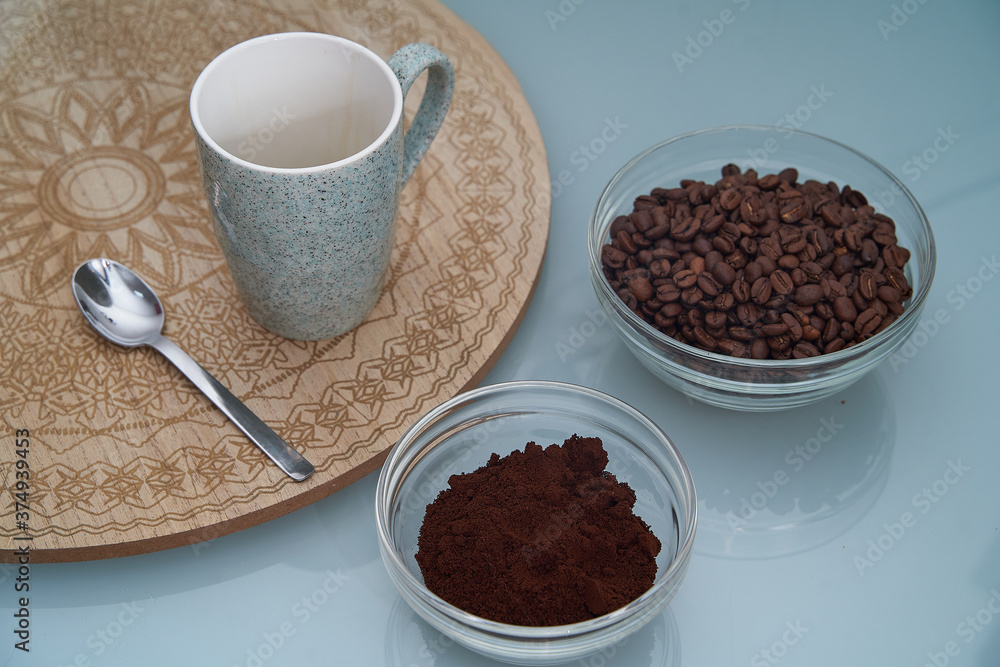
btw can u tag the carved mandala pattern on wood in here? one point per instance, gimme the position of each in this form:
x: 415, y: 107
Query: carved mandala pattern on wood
x: 97, y: 159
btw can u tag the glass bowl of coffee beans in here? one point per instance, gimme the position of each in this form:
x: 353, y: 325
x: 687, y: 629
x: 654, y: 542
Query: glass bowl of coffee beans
x: 759, y: 268
x: 535, y: 522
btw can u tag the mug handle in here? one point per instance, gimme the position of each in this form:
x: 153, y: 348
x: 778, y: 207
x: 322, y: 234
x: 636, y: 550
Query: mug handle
x: 408, y: 63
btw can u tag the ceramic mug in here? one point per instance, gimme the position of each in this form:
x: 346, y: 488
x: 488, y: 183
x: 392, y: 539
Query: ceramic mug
x: 303, y: 156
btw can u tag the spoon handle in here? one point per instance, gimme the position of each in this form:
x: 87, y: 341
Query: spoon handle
x: 279, y: 451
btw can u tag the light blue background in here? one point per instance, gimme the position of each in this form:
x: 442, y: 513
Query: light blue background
x: 790, y: 581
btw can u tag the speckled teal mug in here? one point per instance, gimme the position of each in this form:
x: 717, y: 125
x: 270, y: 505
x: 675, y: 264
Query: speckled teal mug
x: 303, y: 156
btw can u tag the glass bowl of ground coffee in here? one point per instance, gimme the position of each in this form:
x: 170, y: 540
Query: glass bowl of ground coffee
x: 559, y: 509
x: 760, y: 268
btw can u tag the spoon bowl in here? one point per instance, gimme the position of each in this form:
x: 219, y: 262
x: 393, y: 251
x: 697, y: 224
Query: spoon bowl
x: 125, y: 310
x: 117, y: 302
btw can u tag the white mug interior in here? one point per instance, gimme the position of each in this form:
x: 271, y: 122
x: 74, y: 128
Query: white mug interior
x: 296, y: 101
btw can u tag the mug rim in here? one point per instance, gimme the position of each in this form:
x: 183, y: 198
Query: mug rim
x: 233, y: 51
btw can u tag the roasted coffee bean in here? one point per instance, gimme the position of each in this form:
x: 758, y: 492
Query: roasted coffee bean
x: 685, y: 278
x: 713, y: 224
x: 834, y: 345
x: 897, y: 279
x: 702, y: 339
x: 709, y: 285
x: 624, y: 242
x: 760, y: 291
x: 776, y: 329
x: 809, y: 332
x: 853, y: 197
x: 741, y: 287
x: 659, y: 268
x: 788, y: 262
x: 889, y: 294
x: 613, y: 257
x: 794, y: 327
x: 620, y: 223
x: 884, y: 235
x: 668, y: 292
x: 831, y: 330
x: 894, y: 256
x: 788, y: 175
x: 648, y: 309
x: 731, y: 230
x: 692, y: 296
x: 807, y: 254
x: 747, y: 313
x: 807, y: 295
x: 768, y: 182
x: 663, y: 322
x: 642, y: 220
x: 701, y: 246
x: 666, y: 253
x: 832, y: 289
x: 793, y: 211
x: 805, y: 349
x: 672, y: 310
x: 727, y: 346
x: 868, y: 285
x: 744, y: 334
x: 715, y: 319
x: 869, y: 251
x: 779, y: 342
x: 748, y: 245
x: 724, y: 273
x: 867, y: 321
x: 843, y: 264
x: 781, y: 282
x: 769, y: 247
x: 632, y: 274
x: 658, y: 215
x: 812, y: 270
x: 644, y: 202
x: 640, y: 241
x: 685, y: 229
x: 723, y: 244
x: 696, y: 264
x: 767, y: 265
x: 724, y: 302
x: 641, y: 289
x: 847, y: 331
x: 730, y: 198
x: 844, y: 309
x: 712, y: 258
x: 658, y: 232
x: 626, y: 296
x: 823, y: 310
x: 850, y: 283
x: 751, y: 210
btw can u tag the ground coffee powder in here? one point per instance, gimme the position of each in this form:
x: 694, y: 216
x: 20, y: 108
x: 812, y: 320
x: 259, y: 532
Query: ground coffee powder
x: 540, y: 537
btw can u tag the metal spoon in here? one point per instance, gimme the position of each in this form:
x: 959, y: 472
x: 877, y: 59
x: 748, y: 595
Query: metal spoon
x: 123, y: 309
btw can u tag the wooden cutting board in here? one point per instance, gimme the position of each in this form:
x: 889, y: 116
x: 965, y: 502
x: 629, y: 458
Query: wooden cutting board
x: 97, y: 158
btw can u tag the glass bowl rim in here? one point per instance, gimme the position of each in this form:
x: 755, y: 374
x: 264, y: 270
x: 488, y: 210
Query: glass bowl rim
x: 595, y: 242
x: 678, y: 564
